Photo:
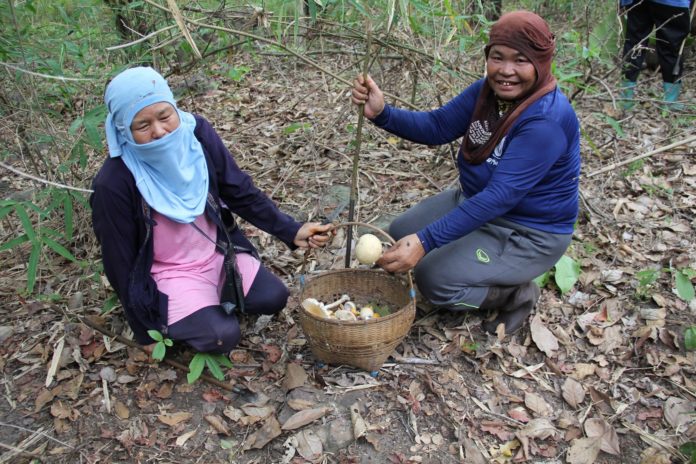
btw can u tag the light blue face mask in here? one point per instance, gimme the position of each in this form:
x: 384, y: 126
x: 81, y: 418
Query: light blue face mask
x: 171, y: 172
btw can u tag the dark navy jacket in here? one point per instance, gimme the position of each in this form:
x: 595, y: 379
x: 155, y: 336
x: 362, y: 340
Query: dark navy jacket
x: 123, y: 223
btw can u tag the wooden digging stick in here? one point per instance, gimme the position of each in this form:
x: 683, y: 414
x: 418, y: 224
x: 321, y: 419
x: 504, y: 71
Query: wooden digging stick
x: 356, y: 155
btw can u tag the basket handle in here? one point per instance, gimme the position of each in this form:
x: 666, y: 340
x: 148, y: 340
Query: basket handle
x: 390, y: 239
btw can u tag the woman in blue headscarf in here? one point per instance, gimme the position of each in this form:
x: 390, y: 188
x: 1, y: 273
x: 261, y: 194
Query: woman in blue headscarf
x: 162, y: 210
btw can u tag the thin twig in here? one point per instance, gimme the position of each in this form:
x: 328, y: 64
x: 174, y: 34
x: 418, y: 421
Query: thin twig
x: 612, y: 166
x: 44, y: 181
x: 142, y: 39
x: 46, y: 76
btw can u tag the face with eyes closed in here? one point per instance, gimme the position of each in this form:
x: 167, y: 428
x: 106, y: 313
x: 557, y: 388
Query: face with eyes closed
x: 154, y: 122
x: 510, y: 74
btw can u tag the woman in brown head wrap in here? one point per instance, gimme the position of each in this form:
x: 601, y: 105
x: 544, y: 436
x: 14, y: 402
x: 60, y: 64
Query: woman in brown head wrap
x: 512, y: 217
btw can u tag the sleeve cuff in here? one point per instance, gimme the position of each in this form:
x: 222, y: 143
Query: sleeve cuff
x: 426, y: 240
x: 382, y: 118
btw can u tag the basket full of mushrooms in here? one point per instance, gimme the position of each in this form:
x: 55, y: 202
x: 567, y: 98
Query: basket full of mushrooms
x: 357, y: 317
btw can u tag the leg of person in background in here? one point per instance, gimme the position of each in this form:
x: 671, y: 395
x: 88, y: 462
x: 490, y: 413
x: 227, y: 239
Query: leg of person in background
x: 672, y: 31
x: 639, y: 25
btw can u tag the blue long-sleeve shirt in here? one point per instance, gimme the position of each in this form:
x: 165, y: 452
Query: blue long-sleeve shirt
x: 530, y: 178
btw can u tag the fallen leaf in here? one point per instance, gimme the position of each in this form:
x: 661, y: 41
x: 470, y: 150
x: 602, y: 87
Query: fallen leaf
x: 218, y: 424
x: 573, y: 392
x: 304, y: 417
x: 273, y: 353
x: 213, y: 395
x: 537, y: 404
x: 601, y: 400
x: 541, y: 428
x: 309, y: 445
x: 544, y: 339
x: 295, y: 376
x: 655, y: 456
x: 260, y: 438
x: 472, y: 454
x: 583, y: 451
x: 652, y: 413
x: 359, y: 426
x: 121, y: 410
x: 182, y: 439
x: 175, y: 418
x: 258, y: 412
x: 233, y: 413
x: 679, y: 412
x: 374, y: 439
x: 519, y: 414
x: 497, y: 429
x: 44, y: 397
x: 165, y: 390
x: 61, y: 410
x: 583, y: 370
x: 300, y: 404
x: 609, y: 440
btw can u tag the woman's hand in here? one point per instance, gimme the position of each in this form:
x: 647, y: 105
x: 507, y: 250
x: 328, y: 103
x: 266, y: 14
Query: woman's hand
x: 314, y: 235
x: 366, y: 92
x: 403, y: 256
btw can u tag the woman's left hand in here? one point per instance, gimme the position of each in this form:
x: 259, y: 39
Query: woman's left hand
x: 314, y: 235
x: 403, y: 256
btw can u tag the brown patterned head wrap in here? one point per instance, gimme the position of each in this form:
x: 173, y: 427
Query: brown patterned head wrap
x: 530, y: 35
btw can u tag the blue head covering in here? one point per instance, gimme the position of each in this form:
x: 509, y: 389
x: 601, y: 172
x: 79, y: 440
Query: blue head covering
x: 170, y: 172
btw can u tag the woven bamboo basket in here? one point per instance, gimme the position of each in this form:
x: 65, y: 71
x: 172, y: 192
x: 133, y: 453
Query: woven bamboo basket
x: 362, y: 344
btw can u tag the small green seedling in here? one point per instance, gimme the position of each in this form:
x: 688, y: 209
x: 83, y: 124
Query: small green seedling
x: 161, y: 345
x: 565, y: 273
x: 690, y: 338
x: 212, y: 361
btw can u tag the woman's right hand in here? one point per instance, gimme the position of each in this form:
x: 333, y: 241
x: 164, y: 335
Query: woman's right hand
x: 366, y: 92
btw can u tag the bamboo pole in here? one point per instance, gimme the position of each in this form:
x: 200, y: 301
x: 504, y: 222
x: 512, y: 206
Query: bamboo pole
x: 356, y: 155
x: 611, y: 167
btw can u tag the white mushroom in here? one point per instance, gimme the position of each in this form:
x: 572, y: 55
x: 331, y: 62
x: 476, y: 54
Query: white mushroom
x: 350, y: 306
x: 338, y: 302
x: 345, y: 315
x: 315, y: 307
x: 366, y: 312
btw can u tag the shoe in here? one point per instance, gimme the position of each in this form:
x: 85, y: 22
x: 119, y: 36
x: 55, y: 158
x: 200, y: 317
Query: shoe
x: 517, y: 309
x: 627, y: 93
x: 672, y: 91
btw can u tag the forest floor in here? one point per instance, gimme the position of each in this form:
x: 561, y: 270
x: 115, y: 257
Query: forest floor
x: 601, y: 375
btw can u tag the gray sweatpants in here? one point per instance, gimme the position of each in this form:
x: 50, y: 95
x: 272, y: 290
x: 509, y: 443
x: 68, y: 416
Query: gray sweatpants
x: 500, y: 253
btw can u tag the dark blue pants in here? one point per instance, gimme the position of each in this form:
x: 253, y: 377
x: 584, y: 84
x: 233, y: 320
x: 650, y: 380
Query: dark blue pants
x: 211, y: 330
x: 672, y: 26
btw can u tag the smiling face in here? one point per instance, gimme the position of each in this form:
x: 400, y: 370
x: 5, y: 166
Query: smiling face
x: 510, y: 74
x: 154, y: 122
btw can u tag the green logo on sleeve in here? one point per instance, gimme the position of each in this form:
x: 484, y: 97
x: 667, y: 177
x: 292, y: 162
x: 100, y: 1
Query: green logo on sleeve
x: 482, y: 256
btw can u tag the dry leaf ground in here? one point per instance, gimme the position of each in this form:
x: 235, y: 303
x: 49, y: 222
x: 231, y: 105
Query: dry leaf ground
x: 614, y: 383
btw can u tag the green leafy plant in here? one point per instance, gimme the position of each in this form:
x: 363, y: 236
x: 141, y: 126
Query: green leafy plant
x: 685, y: 289
x: 690, y: 338
x: 565, y: 274
x: 39, y: 236
x: 646, y: 279
x: 689, y: 450
x: 209, y: 360
x: 161, y: 345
